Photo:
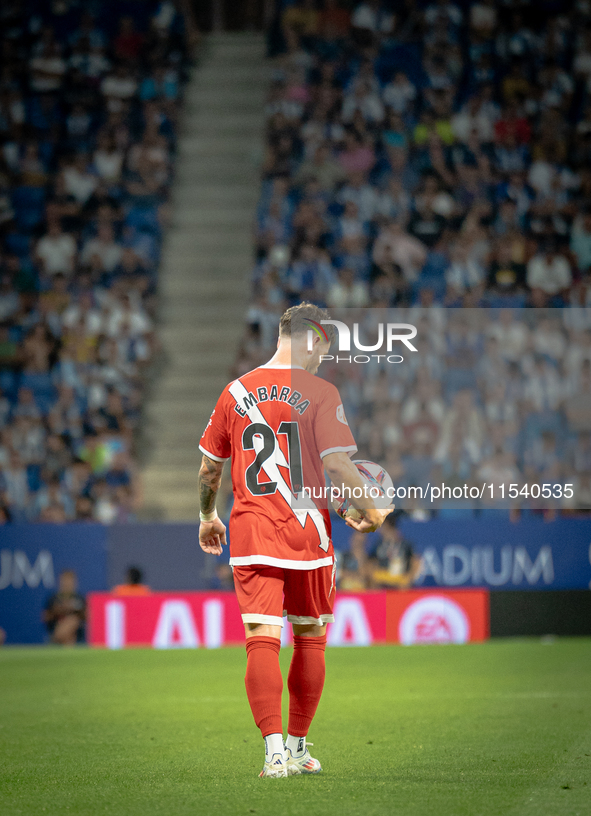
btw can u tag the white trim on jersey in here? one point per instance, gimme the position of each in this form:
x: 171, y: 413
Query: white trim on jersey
x: 300, y: 506
x: 284, y: 563
x: 212, y: 455
x: 272, y: 620
x: 280, y: 365
x: 307, y: 619
x: 347, y: 449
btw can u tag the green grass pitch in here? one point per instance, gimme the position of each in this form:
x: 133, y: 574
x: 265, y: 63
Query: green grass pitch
x: 498, y: 728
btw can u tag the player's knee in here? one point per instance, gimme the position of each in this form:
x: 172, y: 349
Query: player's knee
x: 309, y: 630
x: 262, y: 630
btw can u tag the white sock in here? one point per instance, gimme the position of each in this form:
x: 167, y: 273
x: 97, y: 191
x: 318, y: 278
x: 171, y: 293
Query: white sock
x: 273, y: 745
x: 297, y: 745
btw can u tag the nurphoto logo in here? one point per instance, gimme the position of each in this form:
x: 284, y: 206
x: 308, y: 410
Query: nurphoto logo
x: 388, y: 333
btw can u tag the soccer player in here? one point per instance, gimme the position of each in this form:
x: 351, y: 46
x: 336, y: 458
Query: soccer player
x: 283, y: 428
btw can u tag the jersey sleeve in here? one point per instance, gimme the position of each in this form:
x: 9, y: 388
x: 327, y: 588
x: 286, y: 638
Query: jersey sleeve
x: 215, y: 441
x: 331, y: 429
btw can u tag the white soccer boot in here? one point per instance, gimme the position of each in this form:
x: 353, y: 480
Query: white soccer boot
x: 304, y: 764
x: 275, y: 768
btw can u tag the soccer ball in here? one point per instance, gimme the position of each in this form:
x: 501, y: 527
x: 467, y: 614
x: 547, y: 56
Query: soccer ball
x: 377, y: 481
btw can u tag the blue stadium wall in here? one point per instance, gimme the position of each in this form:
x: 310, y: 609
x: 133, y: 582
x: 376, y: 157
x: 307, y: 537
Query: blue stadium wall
x: 523, y: 557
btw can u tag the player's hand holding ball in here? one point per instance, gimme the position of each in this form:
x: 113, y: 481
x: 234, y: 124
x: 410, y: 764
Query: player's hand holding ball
x: 378, y: 487
x: 212, y: 535
x: 371, y: 521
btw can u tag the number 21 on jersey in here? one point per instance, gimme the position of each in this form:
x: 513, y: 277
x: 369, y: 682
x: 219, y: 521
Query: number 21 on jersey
x: 267, y: 451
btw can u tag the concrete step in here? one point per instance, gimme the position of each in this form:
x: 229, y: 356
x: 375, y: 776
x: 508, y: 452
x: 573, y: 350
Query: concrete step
x: 179, y: 378
x: 212, y: 194
x: 204, y: 237
x: 214, y: 216
x: 207, y: 382
x: 192, y: 297
x: 181, y: 312
x: 183, y: 241
x: 224, y: 169
x: 189, y: 301
x: 187, y: 458
x: 172, y: 477
x: 179, y: 387
x: 233, y: 55
x: 190, y: 337
x: 230, y: 253
x: 206, y: 263
x: 225, y: 121
x: 171, y: 436
x: 197, y: 267
x: 209, y: 385
x: 218, y: 147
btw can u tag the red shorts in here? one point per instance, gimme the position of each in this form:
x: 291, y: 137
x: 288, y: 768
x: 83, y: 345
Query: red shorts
x: 266, y: 594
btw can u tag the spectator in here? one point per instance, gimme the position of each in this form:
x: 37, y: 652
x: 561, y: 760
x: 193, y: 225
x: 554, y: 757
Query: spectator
x: 400, y: 94
x: 366, y: 101
x: 79, y: 181
x: 65, y: 612
x: 128, y: 42
x: 133, y: 586
x: 10, y: 301
x: 117, y: 87
x: 162, y: 85
x: 107, y: 159
x: 374, y: 17
x: 548, y: 276
x: 53, y: 498
x: 506, y: 276
x: 356, y: 156
x: 394, y: 246
x: 322, y: 167
x: 310, y: 274
x: 223, y: 579
x: 334, y: 22
x: 15, y: 493
x: 580, y: 243
x: 499, y: 469
x: 578, y: 406
x: 464, y: 274
x: 393, y: 562
x: 47, y: 69
x: 302, y: 19
x: 56, y: 251
x: 103, y: 248
x: 85, y: 165
x: 347, y: 292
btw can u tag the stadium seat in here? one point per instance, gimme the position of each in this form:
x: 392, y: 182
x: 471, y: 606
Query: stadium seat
x: 29, y: 207
x: 18, y: 243
x: 42, y: 387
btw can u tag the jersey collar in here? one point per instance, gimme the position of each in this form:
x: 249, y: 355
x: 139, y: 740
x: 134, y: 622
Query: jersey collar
x: 280, y: 365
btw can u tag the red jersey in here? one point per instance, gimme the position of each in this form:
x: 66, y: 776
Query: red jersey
x: 277, y: 423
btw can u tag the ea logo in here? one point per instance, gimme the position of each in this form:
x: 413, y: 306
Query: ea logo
x: 434, y: 619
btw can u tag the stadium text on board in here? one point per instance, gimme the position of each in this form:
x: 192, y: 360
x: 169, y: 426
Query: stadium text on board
x: 394, y: 332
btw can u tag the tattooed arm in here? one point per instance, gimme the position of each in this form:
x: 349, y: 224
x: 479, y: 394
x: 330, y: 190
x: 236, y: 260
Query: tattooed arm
x: 212, y: 534
x: 210, y: 477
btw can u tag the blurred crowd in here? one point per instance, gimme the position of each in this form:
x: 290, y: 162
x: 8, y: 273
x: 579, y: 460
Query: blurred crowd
x: 437, y: 154
x: 89, y: 96
x: 492, y: 396
x: 425, y: 152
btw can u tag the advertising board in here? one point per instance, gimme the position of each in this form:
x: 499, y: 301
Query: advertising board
x: 193, y: 620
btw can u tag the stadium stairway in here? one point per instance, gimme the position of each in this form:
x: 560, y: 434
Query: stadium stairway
x: 207, y: 258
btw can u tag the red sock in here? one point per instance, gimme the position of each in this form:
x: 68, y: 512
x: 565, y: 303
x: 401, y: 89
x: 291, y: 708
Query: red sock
x: 305, y: 682
x: 264, y: 683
